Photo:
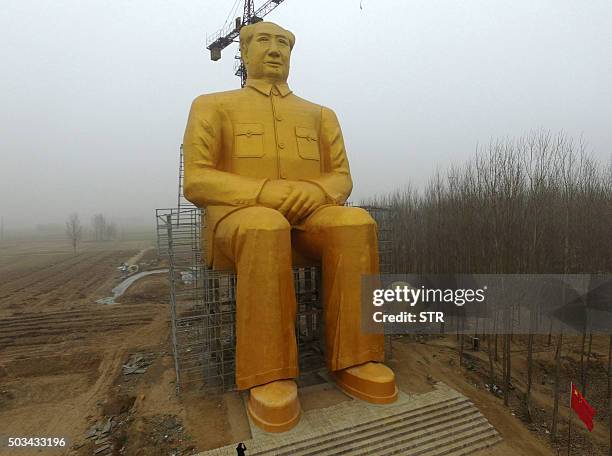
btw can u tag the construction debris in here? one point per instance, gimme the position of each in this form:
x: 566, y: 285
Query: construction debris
x: 100, y: 433
x: 187, y: 277
x: 138, y: 363
x: 128, y: 269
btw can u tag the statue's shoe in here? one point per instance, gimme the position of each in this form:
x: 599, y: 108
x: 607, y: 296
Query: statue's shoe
x: 274, y: 407
x: 372, y: 382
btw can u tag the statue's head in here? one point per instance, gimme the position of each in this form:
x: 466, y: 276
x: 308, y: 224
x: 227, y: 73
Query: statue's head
x: 266, y: 51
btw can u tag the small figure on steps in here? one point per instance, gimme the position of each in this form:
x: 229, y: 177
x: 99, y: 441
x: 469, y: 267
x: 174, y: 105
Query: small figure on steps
x: 240, y: 449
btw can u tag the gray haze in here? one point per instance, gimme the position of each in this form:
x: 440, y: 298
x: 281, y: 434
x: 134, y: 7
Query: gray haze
x: 95, y: 94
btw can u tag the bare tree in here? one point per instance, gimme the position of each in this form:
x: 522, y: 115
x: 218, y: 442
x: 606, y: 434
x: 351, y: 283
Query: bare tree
x: 74, y: 230
x: 98, y: 224
x: 103, y: 230
x: 110, y: 231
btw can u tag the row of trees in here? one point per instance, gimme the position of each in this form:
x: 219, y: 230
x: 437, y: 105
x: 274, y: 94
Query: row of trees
x: 536, y: 204
x: 101, y: 229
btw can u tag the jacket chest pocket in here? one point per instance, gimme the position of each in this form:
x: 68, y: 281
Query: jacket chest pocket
x: 308, y: 143
x: 248, y: 140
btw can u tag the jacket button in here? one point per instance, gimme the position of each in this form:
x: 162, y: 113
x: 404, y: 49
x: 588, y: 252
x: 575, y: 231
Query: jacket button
x: 279, y: 118
x: 249, y: 133
x: 281, y: 145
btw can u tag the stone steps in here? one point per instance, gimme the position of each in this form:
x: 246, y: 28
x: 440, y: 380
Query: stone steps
x: 426, y: 439
x: 333, y: 441
x: 439, y: 423
x: 439, y: 442
x: 468, y: 446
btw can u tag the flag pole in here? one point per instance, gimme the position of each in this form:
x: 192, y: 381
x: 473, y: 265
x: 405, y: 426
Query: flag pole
x: 569, y: 424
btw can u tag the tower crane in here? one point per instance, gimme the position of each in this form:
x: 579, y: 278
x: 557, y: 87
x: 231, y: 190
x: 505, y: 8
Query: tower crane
x: 228, y: 34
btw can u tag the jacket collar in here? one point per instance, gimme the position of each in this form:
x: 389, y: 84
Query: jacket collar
x: 265, y: 87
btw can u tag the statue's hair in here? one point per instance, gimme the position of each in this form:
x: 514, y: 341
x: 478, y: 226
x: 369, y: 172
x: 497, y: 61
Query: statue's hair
x: 247, y: 32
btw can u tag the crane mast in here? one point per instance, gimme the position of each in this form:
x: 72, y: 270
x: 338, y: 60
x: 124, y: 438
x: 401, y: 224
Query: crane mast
x: 226, y: 36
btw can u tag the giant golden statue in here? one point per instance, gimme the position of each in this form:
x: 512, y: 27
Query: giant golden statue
x: 271, y: 170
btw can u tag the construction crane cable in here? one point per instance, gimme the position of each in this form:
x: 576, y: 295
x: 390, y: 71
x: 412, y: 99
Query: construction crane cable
x: 231, y: 14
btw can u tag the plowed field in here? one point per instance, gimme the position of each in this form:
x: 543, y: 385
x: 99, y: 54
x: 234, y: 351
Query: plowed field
x: 60, y: 351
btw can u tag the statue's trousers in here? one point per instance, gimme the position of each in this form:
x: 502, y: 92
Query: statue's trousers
x: 258, y: 241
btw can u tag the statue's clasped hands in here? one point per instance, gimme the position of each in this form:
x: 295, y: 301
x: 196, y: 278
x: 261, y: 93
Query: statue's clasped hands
x: 294, y: 199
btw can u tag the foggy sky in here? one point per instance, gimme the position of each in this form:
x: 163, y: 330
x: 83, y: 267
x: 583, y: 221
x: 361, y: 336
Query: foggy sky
x: 95, y: 94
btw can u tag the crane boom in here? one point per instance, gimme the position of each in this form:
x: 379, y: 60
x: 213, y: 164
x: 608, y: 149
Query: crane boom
x: 267, y: 8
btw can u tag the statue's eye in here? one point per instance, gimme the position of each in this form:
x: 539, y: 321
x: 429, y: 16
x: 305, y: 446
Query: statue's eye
x: 262, y: 39
x: 283, y: 42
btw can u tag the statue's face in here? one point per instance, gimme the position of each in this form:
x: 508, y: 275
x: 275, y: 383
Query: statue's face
x: 268, y: 54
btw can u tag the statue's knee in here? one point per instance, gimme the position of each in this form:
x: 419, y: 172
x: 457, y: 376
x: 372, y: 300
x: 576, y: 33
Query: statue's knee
x: 348, y: 216
x: 263, y: 218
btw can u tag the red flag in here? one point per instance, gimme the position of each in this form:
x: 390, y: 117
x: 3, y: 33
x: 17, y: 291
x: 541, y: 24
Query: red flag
x: 582, y: 408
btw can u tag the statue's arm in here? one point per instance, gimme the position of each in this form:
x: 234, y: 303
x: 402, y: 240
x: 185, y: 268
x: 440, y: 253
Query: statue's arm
x: 335, y: 180
x: 204, y: 183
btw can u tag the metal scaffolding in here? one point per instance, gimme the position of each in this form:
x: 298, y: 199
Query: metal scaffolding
x: 203, y: 306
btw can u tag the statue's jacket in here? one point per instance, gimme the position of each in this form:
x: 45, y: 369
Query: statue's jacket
x: 235, y: 141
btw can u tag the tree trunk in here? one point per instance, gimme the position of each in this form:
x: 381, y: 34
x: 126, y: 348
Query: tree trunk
x: 495, y: 332
x: 550, y: 333
x: 585, y: 380
x: 491, y: 368
x: 610, y: 393
x: 496, y: 351
x: 582, y: 358
x: 529, y: 376
x: 507, y: 338
x: 457, y: 325
x: 553, y: 431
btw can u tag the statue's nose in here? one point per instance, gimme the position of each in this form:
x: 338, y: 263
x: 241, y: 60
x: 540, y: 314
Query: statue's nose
x: 273, y: 50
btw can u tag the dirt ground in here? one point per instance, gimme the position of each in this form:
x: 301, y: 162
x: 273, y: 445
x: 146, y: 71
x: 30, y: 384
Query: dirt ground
x: 102, y: 376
